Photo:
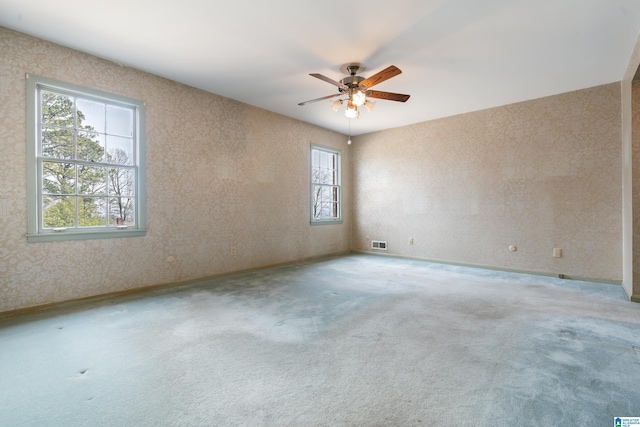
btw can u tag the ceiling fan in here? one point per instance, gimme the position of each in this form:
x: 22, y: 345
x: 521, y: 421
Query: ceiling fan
x: 357, y: 89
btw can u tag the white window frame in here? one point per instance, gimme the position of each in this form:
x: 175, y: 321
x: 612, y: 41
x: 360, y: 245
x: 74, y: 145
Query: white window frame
x: 35, y: 230
x: 337, y: 186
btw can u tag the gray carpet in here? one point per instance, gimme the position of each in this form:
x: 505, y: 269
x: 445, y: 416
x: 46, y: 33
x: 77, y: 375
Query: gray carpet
x: 360, y: 340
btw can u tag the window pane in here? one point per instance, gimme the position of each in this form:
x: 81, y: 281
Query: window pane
x: 315, y: 201
x: 57, y: 143
x: 91, y: 115
x: 58, y: 211
x: 92, y: 211
x: 328, y: 195
x: 326, y: 210
x: 58, y: 178
x: 92, y: 180
x: 91, y: 146
x: 323, y: 196
x: 319, y: 176
x: 121, y: 211
x: 119, y: 121
x: 325, y: 176
x: 57, y: 109
x: 120, y: 150
x: 121, y: 181
x: 323, y: 159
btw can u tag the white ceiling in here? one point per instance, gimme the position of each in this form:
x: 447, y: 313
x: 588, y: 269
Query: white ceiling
x: 456, y: 55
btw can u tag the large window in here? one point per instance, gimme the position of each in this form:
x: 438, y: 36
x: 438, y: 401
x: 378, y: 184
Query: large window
x: 85, y: 163
x: 325, y: 186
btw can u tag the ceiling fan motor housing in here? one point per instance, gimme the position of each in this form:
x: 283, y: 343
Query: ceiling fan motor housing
x: 351, y: 82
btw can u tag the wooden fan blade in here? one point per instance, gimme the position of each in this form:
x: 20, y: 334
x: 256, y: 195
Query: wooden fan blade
x: 328, y: 80
x: 320, y: 99
x: 389, y: 96
x: 383, y: 75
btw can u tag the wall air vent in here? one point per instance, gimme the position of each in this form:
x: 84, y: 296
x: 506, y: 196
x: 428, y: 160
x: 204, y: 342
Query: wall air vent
x: 379, y: 245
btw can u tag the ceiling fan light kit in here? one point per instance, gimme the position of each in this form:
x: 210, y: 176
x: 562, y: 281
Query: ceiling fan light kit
x: 358, y: 98
x: 356, y: 89
x: 352, y: 110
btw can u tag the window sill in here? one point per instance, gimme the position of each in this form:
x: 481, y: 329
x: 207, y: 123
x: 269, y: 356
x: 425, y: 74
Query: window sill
x: 84, y: 235
x: 327, y: 222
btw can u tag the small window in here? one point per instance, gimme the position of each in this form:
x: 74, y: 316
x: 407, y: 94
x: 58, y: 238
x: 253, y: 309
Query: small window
x: 325, y: 186
x: 85, y: 163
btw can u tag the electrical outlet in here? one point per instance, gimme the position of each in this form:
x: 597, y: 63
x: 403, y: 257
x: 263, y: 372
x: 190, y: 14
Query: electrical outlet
x: 232, y: 250
x: 411, y: 240
x: 557, y: 253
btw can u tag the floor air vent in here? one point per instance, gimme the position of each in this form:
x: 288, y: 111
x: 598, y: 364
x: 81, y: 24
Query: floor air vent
x: 379, y: 245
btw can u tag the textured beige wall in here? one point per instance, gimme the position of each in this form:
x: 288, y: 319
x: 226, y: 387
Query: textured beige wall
x: 630, y: 177
x: 635, y: 120
x: 219, y: 174
x: 538, y: 174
